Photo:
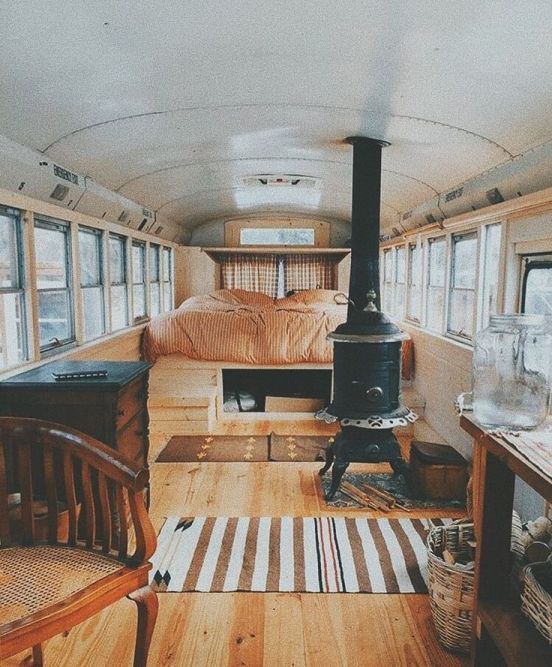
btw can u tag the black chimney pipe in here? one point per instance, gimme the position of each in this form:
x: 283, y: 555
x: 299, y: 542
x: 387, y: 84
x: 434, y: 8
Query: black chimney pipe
x: 365, y: 223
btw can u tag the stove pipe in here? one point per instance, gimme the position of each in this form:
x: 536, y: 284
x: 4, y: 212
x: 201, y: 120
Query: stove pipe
x: 365, y: 223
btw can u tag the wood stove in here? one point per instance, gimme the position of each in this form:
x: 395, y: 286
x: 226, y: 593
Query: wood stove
x: 367, y: 347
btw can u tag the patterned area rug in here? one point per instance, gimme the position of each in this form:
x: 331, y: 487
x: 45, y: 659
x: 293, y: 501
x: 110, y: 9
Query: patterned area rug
x: 302, y: 554
x: 394, y: 484
x: 215, y: 448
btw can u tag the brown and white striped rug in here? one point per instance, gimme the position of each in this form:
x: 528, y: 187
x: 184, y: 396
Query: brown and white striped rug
x: 303, y: 554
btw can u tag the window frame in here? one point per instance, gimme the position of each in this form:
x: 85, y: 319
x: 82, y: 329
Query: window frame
x: 400, y: 265
x: 46, y: 222
x: 140, y: 317
x: 540, y: 262
x: 155, y: 247
x: 455, y: 238
x: 410, y: 248
x: 21, y: 290
x: 124, y: 239
x: 387, y: 302
x: 167, y: 252
x: 98, y: 234
x: 429, y: 242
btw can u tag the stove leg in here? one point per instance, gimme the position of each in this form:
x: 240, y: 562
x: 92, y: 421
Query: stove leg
x: 338, y: 470
x: 329, y: 461
x: 400, y: 467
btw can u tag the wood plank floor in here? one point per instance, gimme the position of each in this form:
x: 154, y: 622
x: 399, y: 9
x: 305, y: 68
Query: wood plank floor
x: 255, y: 629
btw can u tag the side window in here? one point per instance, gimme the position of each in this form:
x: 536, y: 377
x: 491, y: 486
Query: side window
x: 462, y: 286
x: 492, y: 235
x: 54, y: 285
x: 400, y: 282
x: 437, y: 249
x: 537, y: 286
x: 167, y: 280
x: 92, y: 283
x: 139, y: 280
x: 118, y: 282
x: 387, y: 304
x: 155, y: 279
x: 414, y: 295
x: 13, y: 325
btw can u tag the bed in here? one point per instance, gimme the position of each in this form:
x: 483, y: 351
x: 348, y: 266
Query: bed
x: 248, y: 327
x: 238, y: 326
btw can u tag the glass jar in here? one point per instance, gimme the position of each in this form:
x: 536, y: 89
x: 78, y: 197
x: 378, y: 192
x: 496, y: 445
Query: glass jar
x: 511, y: 365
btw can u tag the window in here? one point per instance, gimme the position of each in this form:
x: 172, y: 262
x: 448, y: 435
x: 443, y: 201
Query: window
x: 167, y: 280
x: 414, y: 295
x: 537, y: 286
x: 91, y: 280
x: 53, y: 276
x: 492, y: 237
x: 436, y: 283
x: 13, y: 330
x: 462, y: 285
x: 387, y: 304
x: 155, y: 279
x: 118, y: 280
x: 276, y: 236
x: 400, y: 282
x: 139, y: 280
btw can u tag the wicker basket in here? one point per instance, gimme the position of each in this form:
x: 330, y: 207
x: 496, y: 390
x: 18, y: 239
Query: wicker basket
x: 451, y: 586
x: 536, y: 598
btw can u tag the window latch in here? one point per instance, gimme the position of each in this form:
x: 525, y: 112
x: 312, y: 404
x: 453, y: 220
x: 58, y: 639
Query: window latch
x: 56, y: 341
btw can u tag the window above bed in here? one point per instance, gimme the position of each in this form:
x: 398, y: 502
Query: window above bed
x: 276, y: 232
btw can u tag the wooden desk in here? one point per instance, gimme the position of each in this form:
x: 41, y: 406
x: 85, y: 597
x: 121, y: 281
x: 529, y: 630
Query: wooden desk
x: 502, y: 635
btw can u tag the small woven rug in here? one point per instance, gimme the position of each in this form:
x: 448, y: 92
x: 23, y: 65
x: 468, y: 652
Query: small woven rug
x: 393, y: 484
x: 214, y: 448
x: 298, y: 447
x: 299, y: 554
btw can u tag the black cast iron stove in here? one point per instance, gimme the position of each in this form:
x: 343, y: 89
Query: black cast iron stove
x: 367, y: 347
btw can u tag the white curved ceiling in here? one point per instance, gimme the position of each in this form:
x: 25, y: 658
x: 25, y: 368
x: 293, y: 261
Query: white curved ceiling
x: 173, y: 103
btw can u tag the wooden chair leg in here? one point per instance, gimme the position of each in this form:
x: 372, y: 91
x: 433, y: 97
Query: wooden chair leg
x: 37, y: 656
x: 147, y: 603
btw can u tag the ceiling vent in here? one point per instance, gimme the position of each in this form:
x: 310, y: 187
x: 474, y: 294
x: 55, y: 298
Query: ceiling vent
x: 494, y: 196
x: 59, y: 192
x: 281, y: 180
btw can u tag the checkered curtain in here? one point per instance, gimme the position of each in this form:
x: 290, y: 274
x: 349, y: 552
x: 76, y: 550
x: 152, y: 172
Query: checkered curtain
x: 255, y: 273
x: 308, y: 272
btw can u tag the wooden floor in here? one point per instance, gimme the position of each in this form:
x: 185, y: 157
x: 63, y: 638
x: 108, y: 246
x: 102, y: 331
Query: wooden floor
x: 255, y: 629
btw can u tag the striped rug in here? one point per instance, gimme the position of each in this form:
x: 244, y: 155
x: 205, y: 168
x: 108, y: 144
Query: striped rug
x: 302, y: 554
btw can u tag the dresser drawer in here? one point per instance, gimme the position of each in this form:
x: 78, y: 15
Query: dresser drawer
x: 132, y: 400
x: 132, y: 439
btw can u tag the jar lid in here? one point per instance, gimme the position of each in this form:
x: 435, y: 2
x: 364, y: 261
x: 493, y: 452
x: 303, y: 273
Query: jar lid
x: 516, y: 319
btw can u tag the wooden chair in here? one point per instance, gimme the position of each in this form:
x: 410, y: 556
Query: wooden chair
x: 58, y: 569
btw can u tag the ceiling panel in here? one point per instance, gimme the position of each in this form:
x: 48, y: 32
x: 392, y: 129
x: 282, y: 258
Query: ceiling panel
x: 171, y: 103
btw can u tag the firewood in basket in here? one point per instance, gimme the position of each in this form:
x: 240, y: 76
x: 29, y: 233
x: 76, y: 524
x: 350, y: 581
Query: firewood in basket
x: 448, y: 557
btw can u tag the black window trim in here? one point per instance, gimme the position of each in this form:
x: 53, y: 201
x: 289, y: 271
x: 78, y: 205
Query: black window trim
x: 530, y: 265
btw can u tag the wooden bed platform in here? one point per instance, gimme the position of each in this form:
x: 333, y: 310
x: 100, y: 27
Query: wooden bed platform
x: 186, y: 398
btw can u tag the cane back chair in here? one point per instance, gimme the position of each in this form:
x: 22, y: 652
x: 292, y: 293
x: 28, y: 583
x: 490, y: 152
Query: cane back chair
x: 74, y: 535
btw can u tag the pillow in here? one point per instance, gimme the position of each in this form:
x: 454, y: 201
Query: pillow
x: 242, y: 297
x: 310, y: 296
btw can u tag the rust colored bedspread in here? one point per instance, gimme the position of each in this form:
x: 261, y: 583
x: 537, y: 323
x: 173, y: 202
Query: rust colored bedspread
x: 248, y: 327
x: 252, y: 328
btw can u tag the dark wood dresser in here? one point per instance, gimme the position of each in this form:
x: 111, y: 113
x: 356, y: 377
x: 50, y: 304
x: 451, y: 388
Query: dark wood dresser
x: 112, y: 409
